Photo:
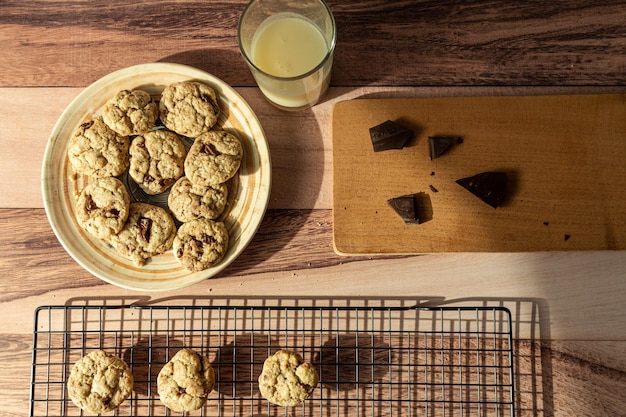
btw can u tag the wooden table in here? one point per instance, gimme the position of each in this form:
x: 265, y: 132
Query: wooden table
x: 569, y: 308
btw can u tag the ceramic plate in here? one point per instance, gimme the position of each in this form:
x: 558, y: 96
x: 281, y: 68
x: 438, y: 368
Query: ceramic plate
x: 248, y: 197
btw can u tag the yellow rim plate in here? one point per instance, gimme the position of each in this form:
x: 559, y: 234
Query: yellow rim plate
x: 248, y: 197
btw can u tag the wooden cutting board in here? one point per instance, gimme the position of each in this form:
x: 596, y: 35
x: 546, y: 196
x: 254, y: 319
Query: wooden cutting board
x: 565, y: 156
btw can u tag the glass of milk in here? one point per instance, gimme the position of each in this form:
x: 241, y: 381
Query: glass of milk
x: 288, y: 45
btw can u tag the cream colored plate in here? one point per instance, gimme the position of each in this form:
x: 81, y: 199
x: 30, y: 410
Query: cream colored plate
x: 247, y: 201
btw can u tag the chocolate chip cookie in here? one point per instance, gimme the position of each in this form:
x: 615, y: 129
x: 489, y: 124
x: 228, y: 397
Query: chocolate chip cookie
x: 96, y: 150
x: 149, y: 231
x: 156, y: 160
x: 200, y: 244
x: 185, y: 381
x: 99, y: 382
x: 287, y: 380
x: 130, y: 112
x: 189, y: 202
x: 214, y: 158
x: 102, y: 207
x: 189, y: 108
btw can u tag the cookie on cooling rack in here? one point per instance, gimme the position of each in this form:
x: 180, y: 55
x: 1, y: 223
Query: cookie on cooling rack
x: 149, y: 231
x: 200, y: 244
x: 156, y: 160
x: 214, y: 158
x: 130, y: 112
x: 189, y: 202
x: 98, y: 151
x: 99, y: 382
x: 287, y: 380
x: 185, y: 381
x: 189, y: 108
x: 102, y: 207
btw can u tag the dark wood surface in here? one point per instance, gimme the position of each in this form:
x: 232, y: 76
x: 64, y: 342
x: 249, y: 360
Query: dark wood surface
x: 415, y: 43
x: 569, y: 311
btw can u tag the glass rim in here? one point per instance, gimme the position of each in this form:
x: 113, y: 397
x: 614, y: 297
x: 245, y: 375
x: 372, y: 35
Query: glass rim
x: 329, y: 53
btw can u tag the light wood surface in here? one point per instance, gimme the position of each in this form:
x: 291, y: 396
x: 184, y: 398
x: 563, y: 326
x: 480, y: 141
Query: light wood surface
x: 568, y: 308
x: 563, y: 156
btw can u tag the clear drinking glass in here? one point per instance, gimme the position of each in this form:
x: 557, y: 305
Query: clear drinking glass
x: 289, y: 46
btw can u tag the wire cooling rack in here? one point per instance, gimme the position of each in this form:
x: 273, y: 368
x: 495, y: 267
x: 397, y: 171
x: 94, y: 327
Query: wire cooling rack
x: 372, y: 361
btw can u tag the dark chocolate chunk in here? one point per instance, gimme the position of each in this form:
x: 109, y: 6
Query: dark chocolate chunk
x: 145, y: 227
x: 406, y: 207
x: 438, y: 145
x: 389, y: 135
x: 490, y: 187
x: 90, y: 205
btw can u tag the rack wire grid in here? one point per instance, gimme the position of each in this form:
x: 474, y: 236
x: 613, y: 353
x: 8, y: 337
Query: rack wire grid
x: 372, y: 361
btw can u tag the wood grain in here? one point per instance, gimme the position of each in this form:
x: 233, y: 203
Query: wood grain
x: 568, y: 308
x: 552, y: 379
x: 555, y: 296
x: 415, y: 42
x: 300, y: 143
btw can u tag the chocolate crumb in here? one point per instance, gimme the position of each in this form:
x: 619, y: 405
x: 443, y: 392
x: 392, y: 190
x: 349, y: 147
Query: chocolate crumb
x: 566, y: 238
x: 433, y: 189
x: 546, y: 223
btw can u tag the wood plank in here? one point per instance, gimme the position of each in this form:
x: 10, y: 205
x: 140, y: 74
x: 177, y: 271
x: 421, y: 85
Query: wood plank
x: 300, y: 148
x: 553, y: 379
x: 554, y: 296
x: 564, y: 157
x: 300, y: 142
x: 477, y: 43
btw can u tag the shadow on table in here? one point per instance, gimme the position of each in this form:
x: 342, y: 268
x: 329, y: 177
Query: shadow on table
x: 411, y: 347
x: 530, y: 319
x: 295, y: 142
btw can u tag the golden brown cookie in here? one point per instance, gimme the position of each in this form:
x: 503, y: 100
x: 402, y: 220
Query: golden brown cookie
x: 189, y: 108
x: 96, y: 150
x: 201, y: 244
x: 99, y: 382
x: 189, y: 202
x: 156, y: 160
x: 214, y: 158
x: 185, y: 381
x: 130, y: 112
x: 149, y: 231
x: 287, y: 380
x: 102, y: 207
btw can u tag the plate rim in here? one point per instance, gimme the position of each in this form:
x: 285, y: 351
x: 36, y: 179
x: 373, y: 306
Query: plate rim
x: 260, y: 204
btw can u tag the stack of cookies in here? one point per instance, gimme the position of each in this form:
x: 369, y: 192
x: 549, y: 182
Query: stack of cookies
x: 125, y: 139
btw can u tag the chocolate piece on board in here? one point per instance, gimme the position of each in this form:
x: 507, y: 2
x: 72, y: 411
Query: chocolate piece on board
x: 406, y: 207
x: 490, y: 187
x: 389, y: 135
x: 438, y: 145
